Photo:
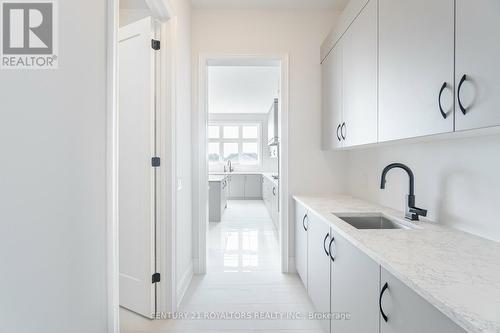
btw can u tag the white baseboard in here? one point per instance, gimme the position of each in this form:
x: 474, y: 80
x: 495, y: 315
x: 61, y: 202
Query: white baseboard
x: 183, y: 283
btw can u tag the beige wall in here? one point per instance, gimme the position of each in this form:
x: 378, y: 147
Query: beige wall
x: 298, y: 33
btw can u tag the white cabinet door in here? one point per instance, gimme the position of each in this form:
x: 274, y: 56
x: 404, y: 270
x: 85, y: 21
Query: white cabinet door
x: 331, y: 76
x: 407, y: 312
x: 355, y: 280
x: 253, y: 186
x: 416, y: 57
x: 318, y: 266
x: 301, y: 223
x: 359, y: 80
x: 274, y: 205
x: 477, y: 56
x: 237, y: 187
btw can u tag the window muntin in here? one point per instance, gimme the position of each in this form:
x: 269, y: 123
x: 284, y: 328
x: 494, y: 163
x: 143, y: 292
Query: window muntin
x: 239, y: 143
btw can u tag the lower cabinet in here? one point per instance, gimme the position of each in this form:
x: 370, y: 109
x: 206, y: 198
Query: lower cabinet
x: 407, y: 312
x: 301, y: 225
x: 253, y: 187
x: 245, y: 187
x: 361, y: 296
x: 217, y: 199
x: 318, y: 267
x: 237, y: 187
x: 270, y: 197
x: 354, y: 289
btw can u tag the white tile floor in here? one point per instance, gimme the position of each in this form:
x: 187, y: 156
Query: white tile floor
x: 243, y: 276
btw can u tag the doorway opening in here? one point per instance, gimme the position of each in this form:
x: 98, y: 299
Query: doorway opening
x: 243, y: 166
x: 243, y: 152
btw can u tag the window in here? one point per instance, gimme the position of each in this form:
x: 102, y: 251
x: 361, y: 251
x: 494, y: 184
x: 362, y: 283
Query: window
x: 238, y: 143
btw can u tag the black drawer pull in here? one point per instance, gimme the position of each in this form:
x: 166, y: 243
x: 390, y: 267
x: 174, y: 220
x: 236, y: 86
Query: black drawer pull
x: 324, y: 244
x: 462, y: 108
x: 384, y: 288
x: 443, y: 87
x: 330, y: 249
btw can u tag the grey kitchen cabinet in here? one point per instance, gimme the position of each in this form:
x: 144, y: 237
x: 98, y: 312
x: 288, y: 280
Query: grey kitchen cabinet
x: 266, y: 192
x: 331, y: 104
x: 245, y: 186
x: 237, y: 187
x: 217, y: 199
x: 275, y: 205
x: 355, y: 280
x: 359, y: 79
x: 477, y: 68
x: 301, y: 225
x: 416, y: 62
x: 253, y: 187
x: 408, y: 312
x: 270, y: 198
x: 318, y: 266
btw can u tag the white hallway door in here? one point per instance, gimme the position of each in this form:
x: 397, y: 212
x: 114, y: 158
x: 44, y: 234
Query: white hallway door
x: 137, y: 176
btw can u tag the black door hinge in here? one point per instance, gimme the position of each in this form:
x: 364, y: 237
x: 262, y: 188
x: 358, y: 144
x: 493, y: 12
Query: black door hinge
x: 156, y: 277
x: 155, y: 44
x: 155, y: 162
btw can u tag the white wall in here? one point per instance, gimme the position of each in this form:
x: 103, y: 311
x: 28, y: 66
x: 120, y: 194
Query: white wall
x: 298, y: 33
x: 184, y: 261
x: 242, y: 89
x: 268, y: 164
x: 53, y: 185
x: 456, y: 180
x: 128, y: 15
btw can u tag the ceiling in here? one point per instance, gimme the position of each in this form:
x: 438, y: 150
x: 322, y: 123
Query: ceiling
x: 281, y: 4
x: 242, y: 89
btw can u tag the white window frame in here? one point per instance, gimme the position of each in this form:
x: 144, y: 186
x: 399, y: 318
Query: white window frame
x: 240, y: 140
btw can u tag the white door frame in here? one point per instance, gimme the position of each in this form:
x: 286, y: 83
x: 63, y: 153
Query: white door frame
x: 201, y: 201
x: 163, y: 13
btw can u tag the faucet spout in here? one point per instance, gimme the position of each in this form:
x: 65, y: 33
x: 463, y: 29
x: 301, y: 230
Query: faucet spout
x: 411, y: 211
x: 400, y: 166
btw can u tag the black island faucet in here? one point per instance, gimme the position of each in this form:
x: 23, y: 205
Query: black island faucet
x: 411, y: 211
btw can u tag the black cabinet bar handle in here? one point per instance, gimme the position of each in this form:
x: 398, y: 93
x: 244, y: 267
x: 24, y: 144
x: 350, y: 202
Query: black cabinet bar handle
x: 342, y: 131
x: 330, y: 248
x: 338, y: 136
x: 462, y: 108
x: 443, y: 87
x: 384, y: 288
x: 324, y: 244
x: 304, y: 222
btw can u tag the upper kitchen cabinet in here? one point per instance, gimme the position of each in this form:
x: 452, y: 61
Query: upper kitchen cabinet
x: 416, y: 64
x: 359, y: 79
x: 331, y: 75
x: 477, y: 68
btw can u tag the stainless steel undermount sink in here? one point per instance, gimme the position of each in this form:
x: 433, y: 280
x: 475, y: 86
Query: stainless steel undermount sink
x: 373, y: 221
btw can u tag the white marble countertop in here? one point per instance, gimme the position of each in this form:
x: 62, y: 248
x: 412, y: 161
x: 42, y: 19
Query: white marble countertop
x: 457, y: 272
x: 266, y: 174
x: 237, y: 173
x: 216, y: 178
